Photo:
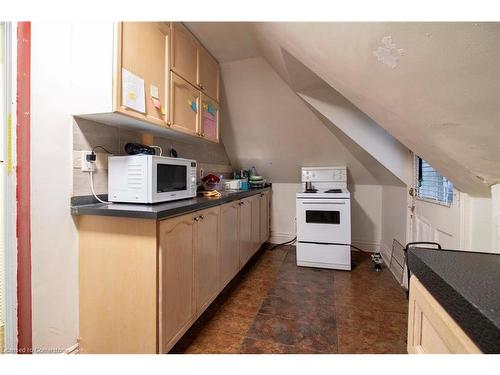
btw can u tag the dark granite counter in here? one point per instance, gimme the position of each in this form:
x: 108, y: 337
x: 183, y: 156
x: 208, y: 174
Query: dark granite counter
x: 467, y: 286
x: 160, y: 210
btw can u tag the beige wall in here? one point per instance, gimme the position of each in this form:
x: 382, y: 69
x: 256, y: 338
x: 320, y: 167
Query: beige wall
x: 265, y: 124
x: 211, y: 157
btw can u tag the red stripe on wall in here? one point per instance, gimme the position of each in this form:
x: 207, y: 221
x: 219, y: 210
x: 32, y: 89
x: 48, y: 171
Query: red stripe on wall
x: 23, y: 190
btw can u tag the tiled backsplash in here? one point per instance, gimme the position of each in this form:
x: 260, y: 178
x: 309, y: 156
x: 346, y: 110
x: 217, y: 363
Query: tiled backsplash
x: 88, y: 134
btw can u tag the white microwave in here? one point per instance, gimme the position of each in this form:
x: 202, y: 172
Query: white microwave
x: 150, y: 178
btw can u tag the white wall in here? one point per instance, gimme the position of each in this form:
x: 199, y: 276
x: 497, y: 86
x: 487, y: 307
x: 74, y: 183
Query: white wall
x: 54, y: 246
x: 477, y: 224
x: 394, y: 215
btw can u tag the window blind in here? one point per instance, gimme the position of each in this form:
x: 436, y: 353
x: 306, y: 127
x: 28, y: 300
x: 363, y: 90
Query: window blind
x: 431, y: 185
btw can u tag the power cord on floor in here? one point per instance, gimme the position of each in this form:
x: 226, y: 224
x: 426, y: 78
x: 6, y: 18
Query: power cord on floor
x: 343, y: 244
x: 282, y: 244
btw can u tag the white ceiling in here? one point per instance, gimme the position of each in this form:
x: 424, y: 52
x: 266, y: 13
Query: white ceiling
x: 227, y: 41
x: 440, y: 99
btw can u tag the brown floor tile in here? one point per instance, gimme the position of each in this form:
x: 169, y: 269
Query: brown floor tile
x: 307, y: 310
x: 365, y: 331
x: 316, y: 336
x: 273, y: 306
x: 228, y: 321
x: 252, y: 346
x: 209, y: 342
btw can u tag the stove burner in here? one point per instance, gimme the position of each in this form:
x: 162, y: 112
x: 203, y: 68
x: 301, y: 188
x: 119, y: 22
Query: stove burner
x: 311, y: 191
x: 334, y: 191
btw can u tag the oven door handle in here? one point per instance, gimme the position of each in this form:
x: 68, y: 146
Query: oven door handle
x: 306, y: 203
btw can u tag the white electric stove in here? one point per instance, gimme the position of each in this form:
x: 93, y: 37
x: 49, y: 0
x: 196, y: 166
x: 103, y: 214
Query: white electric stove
x: 324, y: 219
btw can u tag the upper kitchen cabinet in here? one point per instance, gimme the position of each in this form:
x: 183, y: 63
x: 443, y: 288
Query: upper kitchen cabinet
x: 185, y: 104
x: 144, y: 53
x: 208, y: 74
x: 122, y: 73
x: 209, y: 118
x: 193, y: 62
x: 184, y: 53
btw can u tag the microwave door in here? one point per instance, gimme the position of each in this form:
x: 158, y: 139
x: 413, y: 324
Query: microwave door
x: 170, y: 181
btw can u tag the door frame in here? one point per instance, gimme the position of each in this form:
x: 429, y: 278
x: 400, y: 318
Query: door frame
x: 9, y: 177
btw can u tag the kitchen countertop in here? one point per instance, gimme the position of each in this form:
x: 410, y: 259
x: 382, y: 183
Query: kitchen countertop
x: 467, y: 286
x: 161, y: 210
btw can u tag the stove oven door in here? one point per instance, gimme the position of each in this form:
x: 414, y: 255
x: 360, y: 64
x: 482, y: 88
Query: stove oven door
x: 324, y: 220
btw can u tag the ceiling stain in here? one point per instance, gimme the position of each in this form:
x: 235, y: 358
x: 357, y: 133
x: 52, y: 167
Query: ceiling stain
x: 388, y: 54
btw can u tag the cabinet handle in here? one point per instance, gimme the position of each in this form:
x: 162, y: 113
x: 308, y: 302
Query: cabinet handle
x: 261, y: 194
x: 201, y: 217
x: 169, y: 123
x: 196, y: 218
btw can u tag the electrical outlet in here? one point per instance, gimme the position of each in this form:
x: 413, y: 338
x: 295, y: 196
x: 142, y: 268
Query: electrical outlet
x: 201, y: 173
x: 87, y: 166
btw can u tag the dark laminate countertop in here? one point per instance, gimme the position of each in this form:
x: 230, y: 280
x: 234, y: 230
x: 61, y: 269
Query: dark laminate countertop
x: 467, y: 285
x: 160, y: 210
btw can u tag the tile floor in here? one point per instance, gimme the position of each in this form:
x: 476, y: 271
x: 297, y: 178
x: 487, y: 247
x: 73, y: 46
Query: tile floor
x: 273, y: 306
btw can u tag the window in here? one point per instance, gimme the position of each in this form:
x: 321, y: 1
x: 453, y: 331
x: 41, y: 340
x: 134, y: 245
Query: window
x: 431, y: 185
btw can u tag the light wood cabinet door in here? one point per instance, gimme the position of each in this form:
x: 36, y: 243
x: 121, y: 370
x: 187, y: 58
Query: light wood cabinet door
x: 185, y: 106
x: 245, y: 231
x: 208, y: 74
x: 228, y: 255
x: 176, y: 259
x: 207, y: 243
x: 255, y: 203
x: 184, y: 53
x: 431, y: 330
x: 264, y: 217
x: 144, y: 52
x: 209, y: 120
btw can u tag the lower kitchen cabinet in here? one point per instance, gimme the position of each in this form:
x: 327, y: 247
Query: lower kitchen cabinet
x: 176, y: 277
x: 255, y: 204
x: 264, y: 216
x: 206, y: 262
x: 118, y: 285
x: 245, y: 231
x: 430, y: 329
x: 144, y: 282
x: 229, y: 260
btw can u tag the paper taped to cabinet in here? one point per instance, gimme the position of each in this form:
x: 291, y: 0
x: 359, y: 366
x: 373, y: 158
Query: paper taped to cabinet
x: 133, y: 91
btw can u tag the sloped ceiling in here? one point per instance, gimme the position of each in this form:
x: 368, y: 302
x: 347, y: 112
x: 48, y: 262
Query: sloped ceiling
x: 439, y: 97
x: 266, y: 125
